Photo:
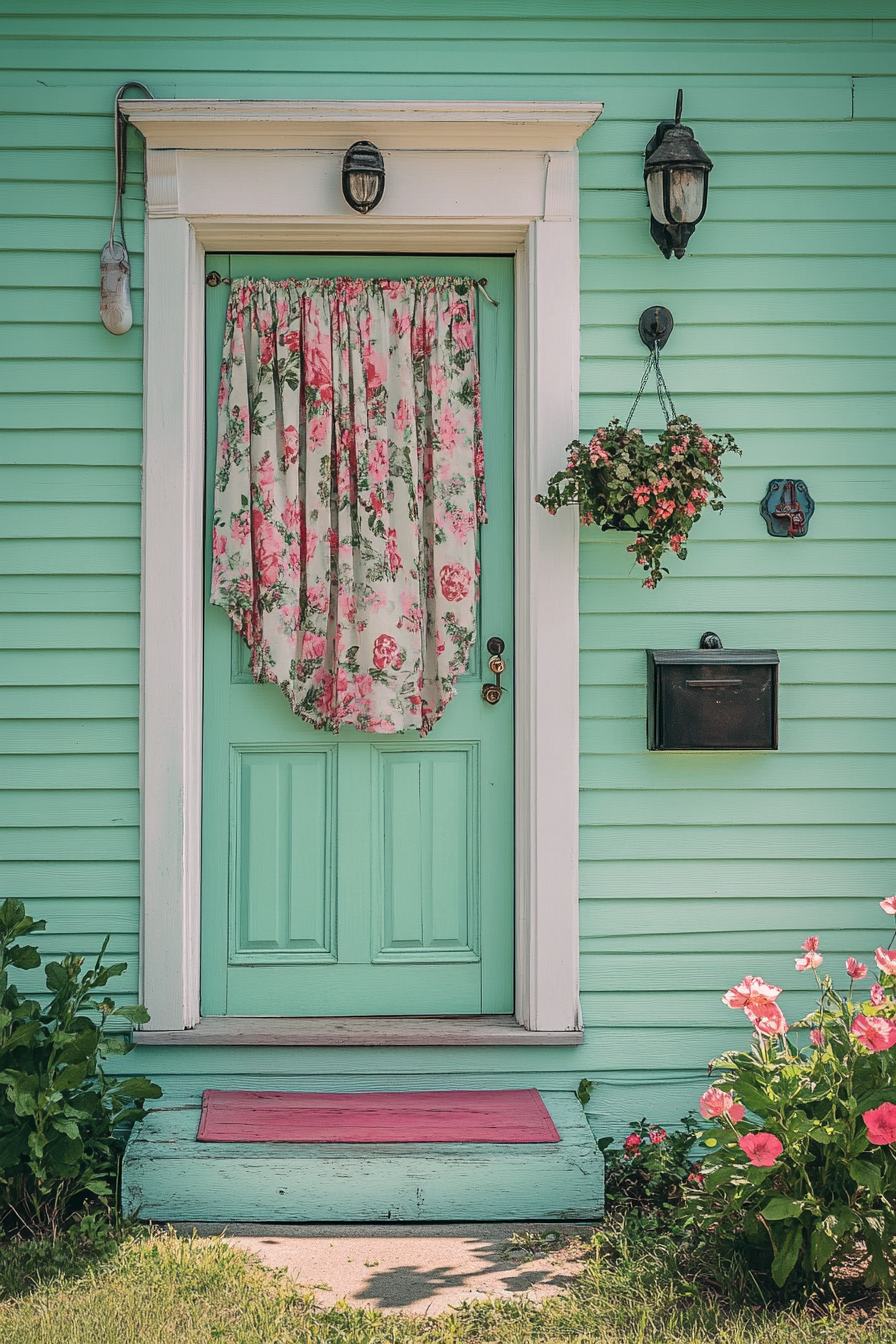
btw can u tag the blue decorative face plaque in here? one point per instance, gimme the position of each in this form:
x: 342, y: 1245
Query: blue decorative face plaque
x: 787, y: 508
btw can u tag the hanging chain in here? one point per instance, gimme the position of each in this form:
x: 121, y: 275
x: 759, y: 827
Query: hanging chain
x: 663, y: 394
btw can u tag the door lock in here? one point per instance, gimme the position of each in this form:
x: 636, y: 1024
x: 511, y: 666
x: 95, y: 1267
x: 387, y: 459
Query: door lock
x: 492, y: 691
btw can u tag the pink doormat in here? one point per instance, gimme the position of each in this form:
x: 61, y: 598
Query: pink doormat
x: 375, y: 1117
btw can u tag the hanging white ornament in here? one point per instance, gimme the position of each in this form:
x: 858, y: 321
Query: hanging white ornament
x: 115, y: 288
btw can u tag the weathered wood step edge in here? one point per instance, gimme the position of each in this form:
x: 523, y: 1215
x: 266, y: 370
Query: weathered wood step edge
x: 168, y: 1176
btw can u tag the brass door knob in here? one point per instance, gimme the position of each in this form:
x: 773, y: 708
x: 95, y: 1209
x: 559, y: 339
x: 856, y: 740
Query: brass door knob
x: 492, y: 691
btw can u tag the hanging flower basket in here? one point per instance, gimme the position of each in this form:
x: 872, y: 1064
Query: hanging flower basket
x: 657, y: 491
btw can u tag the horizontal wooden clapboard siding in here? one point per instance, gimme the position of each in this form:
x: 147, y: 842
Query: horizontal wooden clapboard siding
x: 695, y: 869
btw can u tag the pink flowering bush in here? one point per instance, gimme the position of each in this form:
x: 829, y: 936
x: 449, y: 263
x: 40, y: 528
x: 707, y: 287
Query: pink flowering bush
x: 656, y: 490
x: 801, y: 1128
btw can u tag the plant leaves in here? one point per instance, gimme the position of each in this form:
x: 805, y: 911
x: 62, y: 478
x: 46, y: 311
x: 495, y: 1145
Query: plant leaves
x: 875, y: 1099
x: 822, y: 1246
x: 866, y: 1174
x: 782, y: 1207
x: 788, y: 1254
x: 137, y: 1013
x: 57, y: 977
x: 137, y: 1087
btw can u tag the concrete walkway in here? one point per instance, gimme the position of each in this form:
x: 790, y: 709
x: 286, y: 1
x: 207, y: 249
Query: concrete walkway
x: 420, y: 1269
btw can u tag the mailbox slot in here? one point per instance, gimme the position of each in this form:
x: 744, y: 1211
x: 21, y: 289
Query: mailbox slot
x: 712, y: 699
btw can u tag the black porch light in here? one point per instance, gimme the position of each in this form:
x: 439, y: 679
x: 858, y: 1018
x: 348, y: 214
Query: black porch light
x: 363, y: 176
x: 676, y: 174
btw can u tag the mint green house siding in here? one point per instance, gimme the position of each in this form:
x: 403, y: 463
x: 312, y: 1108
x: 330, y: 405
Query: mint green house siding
x: 695, y: 869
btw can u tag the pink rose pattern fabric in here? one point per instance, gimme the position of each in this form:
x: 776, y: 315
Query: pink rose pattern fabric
x: 349, y: 492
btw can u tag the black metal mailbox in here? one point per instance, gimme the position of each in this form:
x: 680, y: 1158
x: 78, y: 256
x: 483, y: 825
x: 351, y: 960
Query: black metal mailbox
x: 712, y: 699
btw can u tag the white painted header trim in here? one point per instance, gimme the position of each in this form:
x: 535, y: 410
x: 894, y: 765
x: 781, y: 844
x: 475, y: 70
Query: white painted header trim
x: 198, y: 123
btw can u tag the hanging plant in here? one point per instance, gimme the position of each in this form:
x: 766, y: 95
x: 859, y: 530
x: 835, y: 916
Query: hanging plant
x: 657, y: 491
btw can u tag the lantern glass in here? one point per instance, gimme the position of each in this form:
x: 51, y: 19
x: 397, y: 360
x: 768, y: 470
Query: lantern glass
x: 364, y: 188
x: 687, y: 195
x: 677, y: 194
x: 655, y: 196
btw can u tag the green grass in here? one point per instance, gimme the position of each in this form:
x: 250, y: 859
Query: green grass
x: 161, y: 1289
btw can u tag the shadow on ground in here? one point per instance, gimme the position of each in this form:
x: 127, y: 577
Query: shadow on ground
x: 421, y: 1269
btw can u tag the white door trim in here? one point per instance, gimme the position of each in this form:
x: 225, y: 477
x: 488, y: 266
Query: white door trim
x: 465, y: 177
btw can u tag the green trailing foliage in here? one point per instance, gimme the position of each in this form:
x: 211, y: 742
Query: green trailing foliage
x: 62, y: 1119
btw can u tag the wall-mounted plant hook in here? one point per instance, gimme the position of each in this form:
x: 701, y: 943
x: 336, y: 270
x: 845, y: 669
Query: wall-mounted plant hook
x: 655, y: 327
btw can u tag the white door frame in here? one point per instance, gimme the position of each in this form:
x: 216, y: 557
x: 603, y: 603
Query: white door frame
x: 460, y: 177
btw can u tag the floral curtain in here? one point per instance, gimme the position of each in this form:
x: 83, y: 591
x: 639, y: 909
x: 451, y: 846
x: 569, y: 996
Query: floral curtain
x: 349, y: 490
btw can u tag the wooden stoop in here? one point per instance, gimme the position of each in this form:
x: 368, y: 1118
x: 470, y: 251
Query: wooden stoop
x: 169, y: 1177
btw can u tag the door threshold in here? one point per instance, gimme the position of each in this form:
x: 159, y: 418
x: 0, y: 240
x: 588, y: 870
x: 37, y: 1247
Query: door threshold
x: 494, y: 1029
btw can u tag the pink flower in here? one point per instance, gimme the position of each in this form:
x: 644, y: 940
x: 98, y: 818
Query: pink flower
x: 290, y: 444
x: 631, y: 1145
x: 392, y: 555
x: 268, y: 553
x: 319, y: 597
x: 463, y: 335
x: 875, y: 1032
x: 375, y: 367
x: 715, y: 1102
x: 689, y: 509
x: 751, y: 990
x: 811, y: 944
x: 598, y: 453
x: 664, y: 509
x: 675, y: 541
x: 856, y: 970
x: 816, y: 1037
x: 699, y: 496
x: 386, y: 653
x: 393, y: 289
x: 762, y: 1149
x: 318, y: 369
x: 454, y: 581
x: 241, y: 528
x: 641, y: 494
x: 657, y: 1135
x: 878, y: 995
x: 889, y: 905
x: 438, y: 383
x: 767, y: 1019
x: 267, y: 349
x: 219, y: 542
x: 881, y: 1123
x: 648, y: 583
x: 886, y: 960
x: 404, y: 416
x: 809, y: 962
x: 378, y: 461
x: 313, y: 646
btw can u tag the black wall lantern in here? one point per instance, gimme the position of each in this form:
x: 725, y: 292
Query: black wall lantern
x: 676, y: 174
x: 363, y: 176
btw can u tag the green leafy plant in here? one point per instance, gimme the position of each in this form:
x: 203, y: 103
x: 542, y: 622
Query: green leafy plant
x: 652, y: 1169
x: 62, y: 1119
x: 656, y: 490
x: 801, y: 1170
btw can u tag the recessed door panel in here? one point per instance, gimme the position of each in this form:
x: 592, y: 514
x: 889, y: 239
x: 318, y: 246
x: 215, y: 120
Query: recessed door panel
x: 429, y: 853
x: 283, y: 870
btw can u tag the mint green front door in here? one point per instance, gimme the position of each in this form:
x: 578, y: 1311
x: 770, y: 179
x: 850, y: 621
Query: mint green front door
x: 359, y: 874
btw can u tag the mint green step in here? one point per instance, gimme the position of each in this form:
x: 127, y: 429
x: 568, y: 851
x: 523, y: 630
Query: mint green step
x: 168, y: 1177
